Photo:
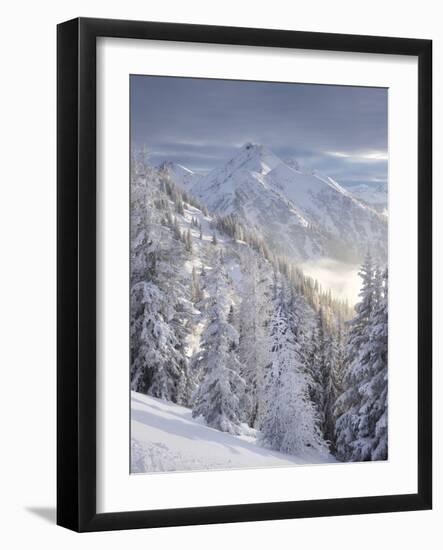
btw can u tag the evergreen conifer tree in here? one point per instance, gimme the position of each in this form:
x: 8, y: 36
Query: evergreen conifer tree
x: 361, y: 410
x: 219, y: 396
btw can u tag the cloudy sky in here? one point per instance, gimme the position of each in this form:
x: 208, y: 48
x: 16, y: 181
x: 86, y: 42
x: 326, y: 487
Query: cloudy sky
x: 340, y: 131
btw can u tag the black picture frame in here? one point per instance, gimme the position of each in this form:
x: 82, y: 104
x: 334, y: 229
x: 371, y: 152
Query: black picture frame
x: 76, y: 266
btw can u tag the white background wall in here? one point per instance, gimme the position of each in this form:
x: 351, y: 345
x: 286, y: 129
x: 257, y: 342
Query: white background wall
x: 27, y: 289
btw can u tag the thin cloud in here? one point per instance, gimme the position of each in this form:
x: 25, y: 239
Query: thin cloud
x: 360, y: 157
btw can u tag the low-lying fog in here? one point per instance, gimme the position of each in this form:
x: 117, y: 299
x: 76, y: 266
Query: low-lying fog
x: 341, y: 277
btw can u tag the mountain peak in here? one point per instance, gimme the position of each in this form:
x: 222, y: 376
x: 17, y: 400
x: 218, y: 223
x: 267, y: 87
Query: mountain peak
x: 251, y: 146
x: 253, y: 157
x: 254, y: 149
x: 300, y: 214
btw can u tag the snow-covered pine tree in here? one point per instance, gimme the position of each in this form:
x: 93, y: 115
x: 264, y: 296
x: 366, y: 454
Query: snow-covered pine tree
x: 179, y: 206
x: 347, y: 405
x: 290, y: 422
x: 176, y: 230
x: 376, y: 390
x: 219, y: 396
x: 339, y: 355
x: 158, y: 306
x: 253, y: 344
x: 331, y: 390
x: 188, y: 240
x: 320, y: 360
x: 196, y: 290
x: 158, y: 364
x: 361, y: 427
x: 231, y: 321
x: 334, y: 385
x: 317, y: 366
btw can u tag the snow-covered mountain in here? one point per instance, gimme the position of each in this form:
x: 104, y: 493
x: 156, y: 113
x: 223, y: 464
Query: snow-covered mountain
x: 375, y: 195
x: 180, y: 175
x: 301, y: 215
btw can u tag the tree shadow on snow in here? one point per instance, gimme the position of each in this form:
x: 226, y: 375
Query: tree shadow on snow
x: 182, y: 428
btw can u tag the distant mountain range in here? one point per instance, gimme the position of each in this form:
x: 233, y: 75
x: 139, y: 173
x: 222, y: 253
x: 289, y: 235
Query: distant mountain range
x: 375, y: 195
x: 301, y: 215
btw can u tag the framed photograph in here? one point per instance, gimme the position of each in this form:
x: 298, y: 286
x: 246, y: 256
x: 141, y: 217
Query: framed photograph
x: 244, y: 274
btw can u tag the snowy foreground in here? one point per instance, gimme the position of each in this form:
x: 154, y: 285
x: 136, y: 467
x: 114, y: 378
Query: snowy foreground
x: 165, y: 437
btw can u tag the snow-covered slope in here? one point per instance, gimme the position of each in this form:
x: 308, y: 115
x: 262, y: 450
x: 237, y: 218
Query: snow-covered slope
x: 165, y: 437
x: 303, y: 216
x: 375, y: 195
x: 180, y: 175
